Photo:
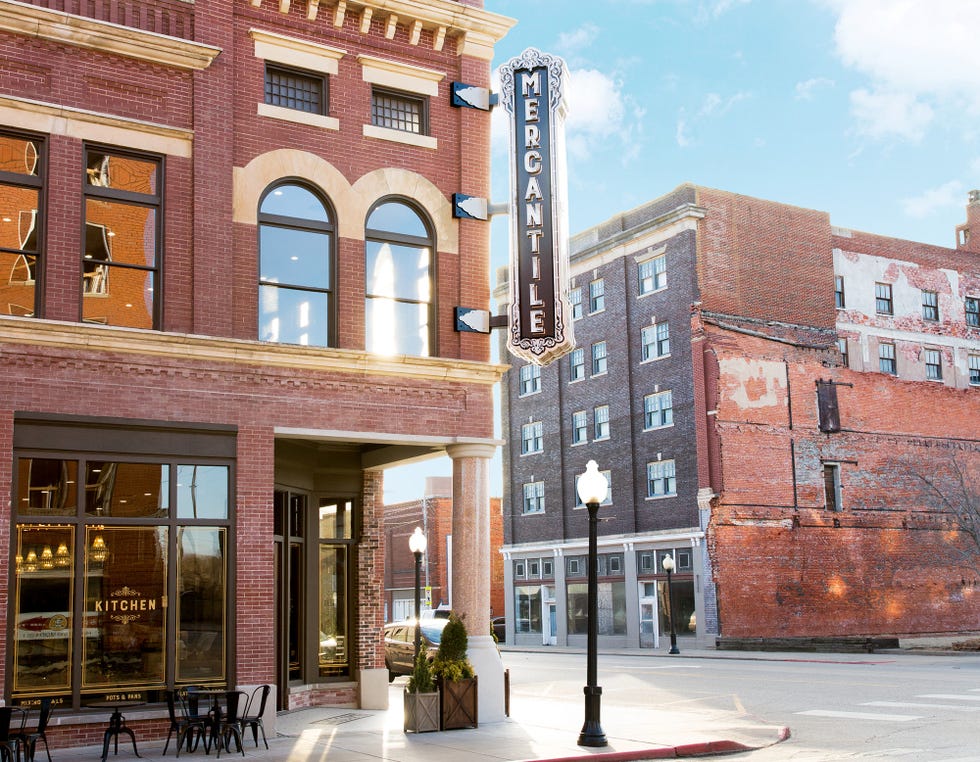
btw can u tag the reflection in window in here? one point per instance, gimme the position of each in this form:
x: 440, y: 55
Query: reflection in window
x: 121, y: 250
x: 47, y: 487
x: 201, y: 595
x: 20, y: 219
x: 336, y: 536
x: 611, y: 608
x: 398, y: 292
x: 202, y: 492
x: 126, y: 489
x: 296, y: 302
x: 527, y: 606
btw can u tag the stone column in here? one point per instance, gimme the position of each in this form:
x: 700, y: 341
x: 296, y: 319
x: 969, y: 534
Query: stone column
x: 471, y: 570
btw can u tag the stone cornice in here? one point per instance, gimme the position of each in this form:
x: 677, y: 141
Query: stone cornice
x: 209, y: 350
x: 104, y: 36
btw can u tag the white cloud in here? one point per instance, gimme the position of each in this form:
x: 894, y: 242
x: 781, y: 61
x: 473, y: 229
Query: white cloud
x: 583, y: 37
x: 709, y: 11
x: 681, y: 132
x: 890, y: 114
x: 714, y: 105
x: 946, y: 196
x: 804, y: 90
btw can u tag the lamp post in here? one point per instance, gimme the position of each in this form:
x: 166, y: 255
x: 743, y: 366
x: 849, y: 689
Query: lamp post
x: 417, y: 543
x: 668, y: 563
x: 592, y: 490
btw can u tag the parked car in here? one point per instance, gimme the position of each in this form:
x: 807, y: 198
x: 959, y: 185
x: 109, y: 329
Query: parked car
x: 499, y: 625
x: 400, y: 644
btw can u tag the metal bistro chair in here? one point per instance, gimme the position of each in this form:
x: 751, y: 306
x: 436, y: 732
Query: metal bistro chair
x: 10, y: 740
x: 252, y: 718
x: 228, y: 722
x: 185, y: 720
x: 29, y: 738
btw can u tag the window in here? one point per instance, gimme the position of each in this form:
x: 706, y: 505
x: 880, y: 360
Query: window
x: 399, y: 111
x: 930, y: 305
x: 121, y: 248
x: 842, y: 346
x: 547, y: 568
x: 934, y: 365
x: 296, y: 245
x: 534, y: 568
x: 399, y: 309
x: 831, y: 486
x: 601, y: 422
x: 611, y: 608
x: 597, y: 296
x: 295, y: 89
x: 652, y: 274
x: 609, y: 491
x: 575, y: 299
x: 527, y: 608
x: 534, y: 497
x: 839, y: 291
x: 658, y: 410
x: 575, y: 567
x: 975, y: 370
x: 530, y: 379
x: 576, y: 364
x: 598, y: 358
x: 655, y: 341
x: 661, y: 480
x: 21, y: 178
x: 580, y: 427
x: 886, y: 358
x: 972, y: 306
x: 520, y: 570
x: 532, y: 438
x: 828, y: 407
x: 883, y: 299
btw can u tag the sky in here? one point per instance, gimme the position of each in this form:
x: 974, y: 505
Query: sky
x: 868, y: 110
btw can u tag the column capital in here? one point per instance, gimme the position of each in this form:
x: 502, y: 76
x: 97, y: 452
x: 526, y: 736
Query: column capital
x: 471, y: 450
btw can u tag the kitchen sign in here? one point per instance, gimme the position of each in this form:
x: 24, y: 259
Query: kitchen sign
x: 540, y: 315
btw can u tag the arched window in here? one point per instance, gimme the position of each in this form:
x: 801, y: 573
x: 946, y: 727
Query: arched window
x: 296, y: 299
x: 399, y: 303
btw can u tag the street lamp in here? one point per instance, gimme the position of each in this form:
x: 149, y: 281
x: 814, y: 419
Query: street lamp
x: 416, y: 544
x: 592, y: 490
x: 668, y: 563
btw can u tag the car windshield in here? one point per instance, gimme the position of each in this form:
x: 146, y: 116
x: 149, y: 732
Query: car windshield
x: 432, y: 632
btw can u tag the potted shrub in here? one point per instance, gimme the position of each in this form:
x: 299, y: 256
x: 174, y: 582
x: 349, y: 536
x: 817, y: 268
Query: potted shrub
x: 456, y: 678
x: 421, y: 698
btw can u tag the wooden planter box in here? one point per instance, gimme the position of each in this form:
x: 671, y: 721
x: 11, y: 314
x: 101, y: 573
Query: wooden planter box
x: 459, y: 704
x: 421, y: 712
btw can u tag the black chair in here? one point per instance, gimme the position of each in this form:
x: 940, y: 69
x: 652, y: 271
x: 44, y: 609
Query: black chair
x: 29, y: 738
x: 228, y: 722
x: 185, y: 720
x: 10, y: 738
x: 252, y: 718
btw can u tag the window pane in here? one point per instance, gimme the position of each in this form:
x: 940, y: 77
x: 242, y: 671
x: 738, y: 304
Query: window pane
x: 47, y: 487
x: 578, y: 608
x: 396, y: 217
x: 201, y: 594
x: 120, y: 233
x: 126, y: 173
x: 294, y: 316
x: 335, y: 520
x: 296, y: 257
x: 202, y: 492
x: 127, y: 489
x: 19, y: 156
x: 125, y: 297
x: 397, y: 327
x: 400, y: 272
x: 18, y: 249
x: 296, y: 90
x: 294, y: 201
x: 332, y: 654
x: 397, y: 112
x: 43, y: 609
x: 527, y: 600
x: 125, y: 606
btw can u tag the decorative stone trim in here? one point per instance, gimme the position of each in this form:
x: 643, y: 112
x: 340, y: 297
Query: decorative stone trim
x: 292, y: 51
x: 399, y: 136
x: 300, y: 117
x: 400, y: 76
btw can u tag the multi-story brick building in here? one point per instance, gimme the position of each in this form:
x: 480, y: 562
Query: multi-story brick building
x: 229, y: 270
x: 704, y: 322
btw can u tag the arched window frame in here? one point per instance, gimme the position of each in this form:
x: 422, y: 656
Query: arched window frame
x: 405, y: 239
x: 309, y: 225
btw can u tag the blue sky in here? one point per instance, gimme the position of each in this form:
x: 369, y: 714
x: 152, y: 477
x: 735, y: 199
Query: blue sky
x: 866, y: 109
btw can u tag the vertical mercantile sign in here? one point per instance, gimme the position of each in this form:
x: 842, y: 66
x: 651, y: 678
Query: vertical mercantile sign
x: 532, y: 92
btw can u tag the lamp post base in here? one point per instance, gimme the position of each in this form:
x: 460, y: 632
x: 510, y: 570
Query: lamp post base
x: 592, y: 733
x: 673, y: 645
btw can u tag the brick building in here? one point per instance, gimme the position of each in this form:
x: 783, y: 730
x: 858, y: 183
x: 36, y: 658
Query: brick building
x: 433, y: 514
x: 707, y: 331
x: 229, y: 268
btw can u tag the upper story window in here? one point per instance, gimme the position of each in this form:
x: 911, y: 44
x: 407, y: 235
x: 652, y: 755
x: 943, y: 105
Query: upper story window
x: 400, y: 111
x: 534, y: 498
x: 934, y: 365
x: 597, y: 295
x: 575, y: 300
x: 607, y: 501
x: 974, y: 361
x: 530, y: 379
x: 655, y: 341
x: 21, y: 192
x: 886, y: 358
x: 399, y: 309
x: 972, y: 306
x: 930, y: 305
x: 576, y: 364
x: 121, y: 248
x: 831, y: 486
x: 599, y: 358
x: 839, y: 291
x: 661, y: 479
x: 658, y: 410
x: 883, y: 299
x: 652, y: 274
x: 601, y: 422
x: 580, y: 427
x: 296, y: 245
x: 532, y: 438
x: 842, y: 347
x: 295, y: 89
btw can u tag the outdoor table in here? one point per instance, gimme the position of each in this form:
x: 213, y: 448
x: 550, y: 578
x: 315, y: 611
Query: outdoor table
x: 215, y: 711
x: 117, y: 724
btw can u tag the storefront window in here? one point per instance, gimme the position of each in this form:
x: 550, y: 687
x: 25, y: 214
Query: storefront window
x: 335, y: 517
x: 528, y: 608
x: 201, y: 595
x: 610, y: 607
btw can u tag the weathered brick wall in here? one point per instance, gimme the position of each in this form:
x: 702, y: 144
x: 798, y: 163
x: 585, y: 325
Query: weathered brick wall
x: 890, y: 561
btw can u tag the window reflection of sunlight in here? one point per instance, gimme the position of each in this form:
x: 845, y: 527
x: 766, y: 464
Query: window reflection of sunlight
x: 383, y: 309
x: 424, y: 280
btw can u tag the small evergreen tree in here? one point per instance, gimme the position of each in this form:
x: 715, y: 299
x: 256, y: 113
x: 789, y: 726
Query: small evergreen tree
x: 450, y: 662
x: 421, y: 679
